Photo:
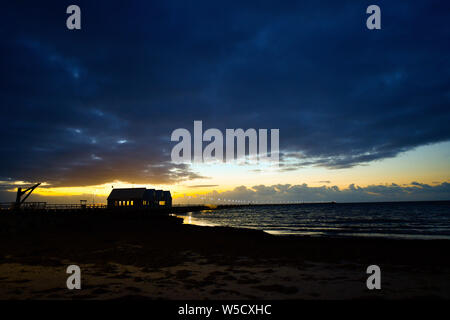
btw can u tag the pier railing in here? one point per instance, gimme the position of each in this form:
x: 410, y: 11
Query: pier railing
x: 48, y: 206
x: 43, y: 206
x: 75, y: 206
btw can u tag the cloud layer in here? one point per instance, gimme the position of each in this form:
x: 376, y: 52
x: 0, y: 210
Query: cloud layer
x: 90, y: 106
x: 299, y: 193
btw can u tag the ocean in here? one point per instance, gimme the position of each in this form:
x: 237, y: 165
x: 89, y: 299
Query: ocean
x: 410, y: 220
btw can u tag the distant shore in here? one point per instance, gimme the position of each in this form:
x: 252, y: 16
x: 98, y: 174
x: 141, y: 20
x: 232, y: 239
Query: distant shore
x: 157, y: 257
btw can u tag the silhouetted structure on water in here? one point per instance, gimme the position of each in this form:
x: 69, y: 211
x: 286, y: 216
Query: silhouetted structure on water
x: 139, y: 198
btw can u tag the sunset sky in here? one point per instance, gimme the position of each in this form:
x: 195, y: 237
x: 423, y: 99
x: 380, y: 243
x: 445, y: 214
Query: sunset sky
x: 363, y: 114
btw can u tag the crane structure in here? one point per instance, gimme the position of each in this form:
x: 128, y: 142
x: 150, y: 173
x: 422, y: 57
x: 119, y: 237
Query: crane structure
x: 20, y: 193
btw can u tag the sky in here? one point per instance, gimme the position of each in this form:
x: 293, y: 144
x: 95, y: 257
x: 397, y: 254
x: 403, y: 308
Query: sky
x: 363, y: 114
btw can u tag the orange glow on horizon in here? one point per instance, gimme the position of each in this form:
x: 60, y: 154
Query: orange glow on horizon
x: 428, y: 164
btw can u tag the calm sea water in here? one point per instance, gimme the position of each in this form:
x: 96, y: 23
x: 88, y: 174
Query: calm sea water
x: 415, y: 220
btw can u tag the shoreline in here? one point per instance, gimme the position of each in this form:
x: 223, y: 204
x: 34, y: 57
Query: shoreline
x: 160, y: 258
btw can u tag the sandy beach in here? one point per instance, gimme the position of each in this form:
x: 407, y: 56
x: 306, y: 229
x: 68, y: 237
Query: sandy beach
x: 145, y: 257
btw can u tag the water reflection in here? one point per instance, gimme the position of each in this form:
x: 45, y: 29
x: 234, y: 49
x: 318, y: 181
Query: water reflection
x: 188, y: 218
x: 420, y: 220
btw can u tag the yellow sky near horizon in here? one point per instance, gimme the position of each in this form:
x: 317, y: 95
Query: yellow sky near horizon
x: 427, y: 164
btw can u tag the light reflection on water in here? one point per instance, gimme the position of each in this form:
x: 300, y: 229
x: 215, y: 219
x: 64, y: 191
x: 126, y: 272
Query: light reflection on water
x: 409, y: 220
x: 189, y: 219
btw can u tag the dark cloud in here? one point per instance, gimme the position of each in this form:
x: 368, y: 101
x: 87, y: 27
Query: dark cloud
x: 353, y: 193
x: 90, y: 106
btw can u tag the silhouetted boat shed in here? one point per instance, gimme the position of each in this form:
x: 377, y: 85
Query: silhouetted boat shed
x: 139, y: 197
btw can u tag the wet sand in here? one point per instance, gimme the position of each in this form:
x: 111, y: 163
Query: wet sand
x: 144, y: 257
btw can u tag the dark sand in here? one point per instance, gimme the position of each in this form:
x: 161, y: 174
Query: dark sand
x: 144, y: 257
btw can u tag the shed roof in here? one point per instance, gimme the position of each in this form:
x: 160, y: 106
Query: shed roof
x: 149, y: 193
x: 126, y: 193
